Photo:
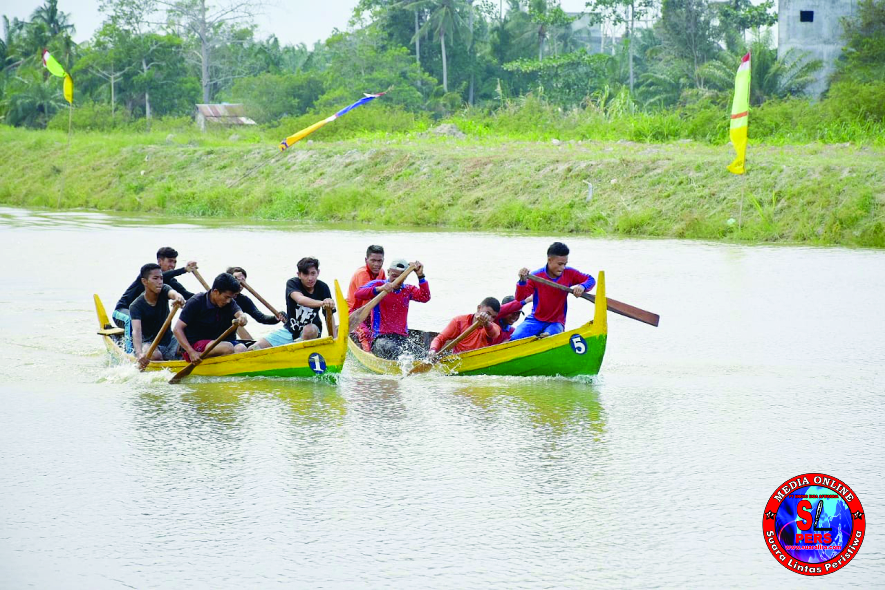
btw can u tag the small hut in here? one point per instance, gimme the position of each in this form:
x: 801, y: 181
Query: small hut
x: 226, y: 115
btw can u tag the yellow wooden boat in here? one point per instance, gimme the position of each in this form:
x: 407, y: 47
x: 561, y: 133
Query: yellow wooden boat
x: 312, y: 358
x: 570, y: 354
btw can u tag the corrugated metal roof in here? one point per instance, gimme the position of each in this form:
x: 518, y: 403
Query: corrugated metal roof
x: 225, y: 114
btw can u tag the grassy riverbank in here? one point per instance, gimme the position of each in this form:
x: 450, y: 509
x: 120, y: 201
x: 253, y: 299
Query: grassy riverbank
x: 821, y: 194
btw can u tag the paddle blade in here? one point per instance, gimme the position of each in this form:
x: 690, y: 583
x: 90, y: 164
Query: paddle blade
x: 421, y: 367
x: 355, y: 319
x: 184, y: 373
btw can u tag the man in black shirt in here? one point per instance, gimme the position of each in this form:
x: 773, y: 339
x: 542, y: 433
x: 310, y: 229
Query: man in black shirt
x: 148, y: 312
x: 306, y: 297
x: 246, y: 304
x: 167, y: 258
x: 206, y: 316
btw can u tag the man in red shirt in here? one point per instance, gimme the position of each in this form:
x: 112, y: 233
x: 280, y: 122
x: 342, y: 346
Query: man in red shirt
x: 479, y: 338
x: 388, y: 320
x: 549, y: 305
x: 371, y: 271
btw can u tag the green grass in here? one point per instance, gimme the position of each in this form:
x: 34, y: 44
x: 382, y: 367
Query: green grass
x: 816, y: 193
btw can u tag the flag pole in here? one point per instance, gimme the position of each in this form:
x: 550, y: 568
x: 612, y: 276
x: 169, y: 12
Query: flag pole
x: 741, y: 210
x: 64, y: 172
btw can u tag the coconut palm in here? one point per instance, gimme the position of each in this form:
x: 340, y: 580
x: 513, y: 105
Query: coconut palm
x: 55, y: 20
x: 771, y: 77
x: 35, y: 105
x: 447, y: 17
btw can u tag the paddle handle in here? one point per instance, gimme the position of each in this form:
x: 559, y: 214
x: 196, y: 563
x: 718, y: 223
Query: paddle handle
x: 159, y: 336
x: 200, y: 278
x: 261, y: 299
x: 613, y: 305
x: 193, y: 364
x: 425, y: 365
x: 329, y: 321
x: 452, y: 344
x: 360, y: 315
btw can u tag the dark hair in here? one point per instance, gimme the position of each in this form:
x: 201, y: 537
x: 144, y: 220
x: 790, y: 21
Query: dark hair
x: 225, y: 282
x: 148, y: 268
x: 557, y: 249
x: 373, y: 249
x: 491, y: 302
x: 167, y: 252
x: 232, y: 269
x: 305, y: 263
x: 507, y: 299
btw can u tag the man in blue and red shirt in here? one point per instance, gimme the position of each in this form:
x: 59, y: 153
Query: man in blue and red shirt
x: 549, y: 304
x: 511, y: 309
x: 388, y: 321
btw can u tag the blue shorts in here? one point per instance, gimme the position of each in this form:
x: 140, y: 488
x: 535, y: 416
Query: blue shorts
x: 532, y: 327
x: 280, y: 337
x: 122, y: 319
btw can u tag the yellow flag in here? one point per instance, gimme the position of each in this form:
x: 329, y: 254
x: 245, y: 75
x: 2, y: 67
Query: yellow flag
x: 69, y: 88
x: 740, y: 116
x: 56, y: 69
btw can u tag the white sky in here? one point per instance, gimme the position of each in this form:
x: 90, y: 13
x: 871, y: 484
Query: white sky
x: 293, y: 21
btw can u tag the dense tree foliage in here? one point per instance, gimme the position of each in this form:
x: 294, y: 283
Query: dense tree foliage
x: 158, y: 57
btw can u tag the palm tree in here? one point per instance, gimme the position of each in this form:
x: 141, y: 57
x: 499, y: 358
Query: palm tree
x: 446, y: 18
x: 55, y: 20
x: 790, y: 75
x: 34, y: 106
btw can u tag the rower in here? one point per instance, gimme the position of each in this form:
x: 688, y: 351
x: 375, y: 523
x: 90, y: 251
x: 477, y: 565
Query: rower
x: 371, y: 271
x: 549, y: 305
x: 306, y: 295
x: 389, y: 319
x: 149, y: 312
x: 509, y: 314
x: 167, y: 258
x: 247, y: 305
x: 206, y: 316
x: 485, y: 314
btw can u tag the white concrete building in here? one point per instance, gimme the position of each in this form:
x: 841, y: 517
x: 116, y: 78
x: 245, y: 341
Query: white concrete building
x: 814, y: 26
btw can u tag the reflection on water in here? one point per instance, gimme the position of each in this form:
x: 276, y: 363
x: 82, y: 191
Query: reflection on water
x: 110, y: 477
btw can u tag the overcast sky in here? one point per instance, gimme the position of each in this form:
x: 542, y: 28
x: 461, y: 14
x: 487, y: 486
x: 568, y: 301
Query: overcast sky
x: 292, y: 21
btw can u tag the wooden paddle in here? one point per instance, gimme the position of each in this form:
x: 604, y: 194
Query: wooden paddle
x: 329, y: 321
x: 260, y: 298
x: 425, y: 366
x: 159, y: 336
x: 359, y: 315
x: 193, y: 364
x: 617, y: 307
x: 200, y: 278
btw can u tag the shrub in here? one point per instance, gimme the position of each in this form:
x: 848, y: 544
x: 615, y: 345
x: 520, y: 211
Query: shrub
x: 91, y: 116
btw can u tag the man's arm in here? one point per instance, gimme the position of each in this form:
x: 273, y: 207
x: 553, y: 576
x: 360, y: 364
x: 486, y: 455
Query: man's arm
x: 523, y: 289
x: 511, y: 307
x: 580, y: 282
x: 299, y: 298
x: 178, y: 331
x: 130, y: 294
x: 450, y: 332
x: 175, y: 272
x: 493, y: 330
x: 248, y: 306
x: 176, y: 296
x: 352, y: 289
x: 178, y: 287
x: 368, y: 291
x: 421, y: 293
x: 136, y: 337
